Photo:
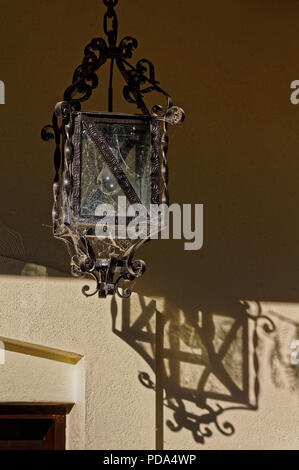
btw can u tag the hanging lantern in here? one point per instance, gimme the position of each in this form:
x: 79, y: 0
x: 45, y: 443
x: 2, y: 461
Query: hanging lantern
x: 108, y: 164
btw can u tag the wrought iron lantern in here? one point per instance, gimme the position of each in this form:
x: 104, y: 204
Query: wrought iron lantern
x: 102, y: 158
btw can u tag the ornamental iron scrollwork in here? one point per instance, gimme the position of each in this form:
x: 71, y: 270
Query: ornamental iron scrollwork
x: 140, y: 80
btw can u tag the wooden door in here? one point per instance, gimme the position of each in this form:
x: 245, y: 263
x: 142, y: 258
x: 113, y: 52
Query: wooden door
x: 34, y: 429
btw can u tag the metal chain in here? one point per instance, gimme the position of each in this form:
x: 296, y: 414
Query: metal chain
x: 110, y: 14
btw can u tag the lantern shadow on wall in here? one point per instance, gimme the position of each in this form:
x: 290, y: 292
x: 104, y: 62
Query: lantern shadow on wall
x: 207, y: 362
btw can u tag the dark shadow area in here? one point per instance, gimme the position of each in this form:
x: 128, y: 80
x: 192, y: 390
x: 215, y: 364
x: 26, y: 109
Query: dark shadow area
x: 205, y: 360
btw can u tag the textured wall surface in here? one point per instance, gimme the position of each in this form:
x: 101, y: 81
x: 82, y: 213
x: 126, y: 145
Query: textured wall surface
x: 112, y: 408
x: 64, y: 348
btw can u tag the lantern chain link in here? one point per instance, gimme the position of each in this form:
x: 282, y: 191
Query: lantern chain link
x: 111, y: 31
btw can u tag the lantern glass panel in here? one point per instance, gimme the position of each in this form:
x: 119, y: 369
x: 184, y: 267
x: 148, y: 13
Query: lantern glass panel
x: 129, y: 143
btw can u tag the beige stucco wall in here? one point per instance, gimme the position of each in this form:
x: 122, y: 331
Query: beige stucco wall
x: 275, y: 423
x: 112, y: 409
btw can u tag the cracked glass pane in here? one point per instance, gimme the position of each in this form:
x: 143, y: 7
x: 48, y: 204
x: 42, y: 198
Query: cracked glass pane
x: 130, y: 145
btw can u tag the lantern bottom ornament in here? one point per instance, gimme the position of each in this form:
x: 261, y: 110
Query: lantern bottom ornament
x: 101, y: 158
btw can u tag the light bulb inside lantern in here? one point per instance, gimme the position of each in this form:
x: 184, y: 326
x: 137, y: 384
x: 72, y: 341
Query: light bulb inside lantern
x: 108, y: 182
